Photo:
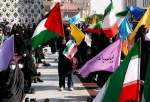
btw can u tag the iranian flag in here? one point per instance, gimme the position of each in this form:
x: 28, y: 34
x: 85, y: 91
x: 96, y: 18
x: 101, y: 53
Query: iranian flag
x: 124, y: 84
x: 96, y: 29
x: 50, y: 27
x: 70, y: 50
x: 110, y: 22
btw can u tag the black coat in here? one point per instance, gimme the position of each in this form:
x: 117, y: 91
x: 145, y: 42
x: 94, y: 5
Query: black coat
x: 29, y: 69
x: 11, y: 85
x: 64, y: 64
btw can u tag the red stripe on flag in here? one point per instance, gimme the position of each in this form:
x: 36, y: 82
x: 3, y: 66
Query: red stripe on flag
x: 54, y: 21
x: 72, y: 51
x: 130, y: 91
x: 93, y: 30
x: 112, y: 31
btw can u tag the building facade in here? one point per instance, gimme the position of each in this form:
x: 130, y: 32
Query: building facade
x: 21, y: 11
x: 49, y: 4
x: 28, y: 11
x: 140, y: 3
x: 70, y: 8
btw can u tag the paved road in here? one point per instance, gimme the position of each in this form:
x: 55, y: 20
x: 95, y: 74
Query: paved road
x: 49, y: 88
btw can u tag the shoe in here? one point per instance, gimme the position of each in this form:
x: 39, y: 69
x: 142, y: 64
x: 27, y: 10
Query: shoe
x: 27, y: 100
x: 61, y: 89
x: 71, y: 89
x: 39, y: 80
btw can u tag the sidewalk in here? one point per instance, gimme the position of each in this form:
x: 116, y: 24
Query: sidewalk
x: 49, y: 88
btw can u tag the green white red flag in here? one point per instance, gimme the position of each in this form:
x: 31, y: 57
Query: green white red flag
x: 110, y: 22
x: 70, y: 50
x: 124, y: 84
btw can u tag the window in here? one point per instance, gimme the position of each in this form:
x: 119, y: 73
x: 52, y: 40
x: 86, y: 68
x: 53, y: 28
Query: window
x: 146, y: 3
x: 131, y: 2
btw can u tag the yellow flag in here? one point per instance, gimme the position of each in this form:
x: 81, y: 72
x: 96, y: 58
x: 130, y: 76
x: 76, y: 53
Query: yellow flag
x: 125, y: 47
x: 145, y: 20
x: 77, y: 34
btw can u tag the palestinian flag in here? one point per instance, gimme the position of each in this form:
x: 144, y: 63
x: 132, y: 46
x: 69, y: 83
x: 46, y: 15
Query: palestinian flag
x: 50, y: 27
x: 124, y: 84
x: 110, y: 22
x: 70, y: 50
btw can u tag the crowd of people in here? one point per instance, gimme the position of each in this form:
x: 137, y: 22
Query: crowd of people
x: 17, y: 79
x: 27, y: 59
x: 85, y: 53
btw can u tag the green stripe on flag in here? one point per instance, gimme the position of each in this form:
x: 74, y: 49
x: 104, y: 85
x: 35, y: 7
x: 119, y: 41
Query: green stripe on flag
x: 108, y: 9
x: 68, y: 47
x: 122, y: 13
x: 117, y: 78
x: 98, y: 25
x: 43, y: 37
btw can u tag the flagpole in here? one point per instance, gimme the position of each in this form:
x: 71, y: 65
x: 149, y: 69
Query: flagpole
x: 139, y: 68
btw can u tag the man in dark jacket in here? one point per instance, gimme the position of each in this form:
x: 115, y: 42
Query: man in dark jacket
x: 29, y: 71
x: 64, y: 67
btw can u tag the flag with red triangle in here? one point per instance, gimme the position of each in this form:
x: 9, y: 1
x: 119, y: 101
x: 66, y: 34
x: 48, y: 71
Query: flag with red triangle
x: 50, y: 27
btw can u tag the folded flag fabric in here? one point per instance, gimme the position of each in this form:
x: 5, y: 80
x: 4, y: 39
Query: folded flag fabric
x: 88, y: 39
x: 107, y: 60
x: 70, y: 50
x: 125, y: 47
x: 125, y: 29
x: 98, y: 27
x: 75, y: 19
x: 50, y: 27
x: 124, y: 84
x: 6, y: 53
x: 93, y: 29
x: 143, y: 21
x: 77, y: 34
x: 122, y: 13
x: 136, y: 12
x: 110, y: 22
